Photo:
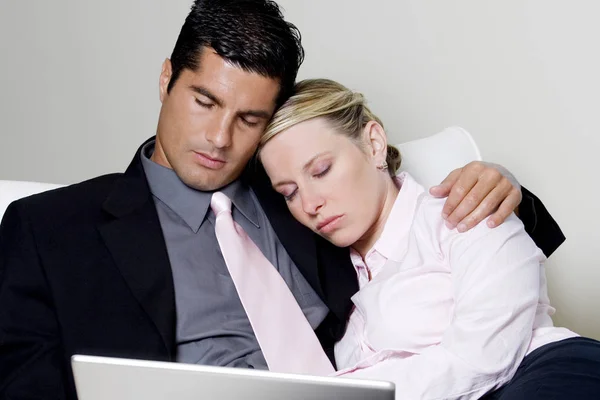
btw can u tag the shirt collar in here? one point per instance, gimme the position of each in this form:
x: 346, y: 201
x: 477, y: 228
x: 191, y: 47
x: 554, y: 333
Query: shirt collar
x: 400, y: 219
x: 189, y: 204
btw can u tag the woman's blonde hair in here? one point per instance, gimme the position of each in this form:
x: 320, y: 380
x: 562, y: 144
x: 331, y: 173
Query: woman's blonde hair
x: 346, y: 111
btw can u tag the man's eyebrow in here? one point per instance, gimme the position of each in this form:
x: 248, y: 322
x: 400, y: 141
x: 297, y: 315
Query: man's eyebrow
x: 205, y: 92
x: 256, y: 113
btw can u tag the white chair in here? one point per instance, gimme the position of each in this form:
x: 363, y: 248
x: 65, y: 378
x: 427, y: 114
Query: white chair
x: 429, y: 160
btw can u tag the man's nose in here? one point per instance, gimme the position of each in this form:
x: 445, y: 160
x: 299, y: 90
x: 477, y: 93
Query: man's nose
x: 220, y: 133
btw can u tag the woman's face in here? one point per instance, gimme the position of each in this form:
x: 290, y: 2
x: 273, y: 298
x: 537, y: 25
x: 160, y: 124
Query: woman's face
x: 330, y: 184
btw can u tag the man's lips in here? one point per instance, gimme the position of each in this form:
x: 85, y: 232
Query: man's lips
x: 209, y: 161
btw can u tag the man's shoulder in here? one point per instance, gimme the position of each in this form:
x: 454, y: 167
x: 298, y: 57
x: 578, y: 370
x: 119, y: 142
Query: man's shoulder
x: 68, y: 201
x: 86, y: 190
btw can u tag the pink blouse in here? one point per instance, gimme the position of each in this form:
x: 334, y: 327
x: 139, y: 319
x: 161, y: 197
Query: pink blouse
x: 446, y: 315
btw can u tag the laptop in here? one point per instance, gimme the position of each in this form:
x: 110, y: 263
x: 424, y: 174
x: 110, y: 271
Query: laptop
x: 101, y: 378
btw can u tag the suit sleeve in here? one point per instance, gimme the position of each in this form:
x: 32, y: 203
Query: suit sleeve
x: 539, y: 224
x: 31, y: 359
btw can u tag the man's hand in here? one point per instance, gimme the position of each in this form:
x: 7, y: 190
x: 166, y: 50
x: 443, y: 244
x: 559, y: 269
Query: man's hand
x: 474, y: 192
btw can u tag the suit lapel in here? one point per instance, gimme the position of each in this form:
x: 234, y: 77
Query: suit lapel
x: 338, y: 278
x: 134, y: 237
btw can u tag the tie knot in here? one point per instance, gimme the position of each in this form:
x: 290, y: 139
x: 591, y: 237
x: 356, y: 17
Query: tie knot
x: 220, y: 203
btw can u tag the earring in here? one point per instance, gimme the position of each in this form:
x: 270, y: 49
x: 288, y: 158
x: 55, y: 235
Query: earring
x: 383, y: 167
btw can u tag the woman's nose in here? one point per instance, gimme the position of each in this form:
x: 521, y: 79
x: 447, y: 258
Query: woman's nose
x: 312, y: 202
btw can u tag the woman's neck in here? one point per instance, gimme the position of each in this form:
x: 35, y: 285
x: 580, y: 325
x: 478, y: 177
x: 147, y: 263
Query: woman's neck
x: 368, y: 240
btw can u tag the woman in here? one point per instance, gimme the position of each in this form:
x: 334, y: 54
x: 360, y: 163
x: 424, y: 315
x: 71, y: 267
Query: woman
x: 440, y: 313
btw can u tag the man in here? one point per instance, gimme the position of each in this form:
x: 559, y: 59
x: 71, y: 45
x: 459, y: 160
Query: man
x: 128, y: 264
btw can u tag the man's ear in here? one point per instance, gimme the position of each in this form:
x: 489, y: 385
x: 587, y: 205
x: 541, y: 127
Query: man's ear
x: 165, y: 77
x: 376, y: 141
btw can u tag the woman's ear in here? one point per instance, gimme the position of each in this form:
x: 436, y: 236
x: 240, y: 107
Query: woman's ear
x: 376, y: 140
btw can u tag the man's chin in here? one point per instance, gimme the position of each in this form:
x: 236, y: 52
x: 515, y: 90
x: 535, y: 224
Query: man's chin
x: 206, y: 183
x: 207, y: 186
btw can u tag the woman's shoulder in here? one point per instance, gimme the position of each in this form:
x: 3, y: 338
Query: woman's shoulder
x: 429, y: 222
x: 427, y: 209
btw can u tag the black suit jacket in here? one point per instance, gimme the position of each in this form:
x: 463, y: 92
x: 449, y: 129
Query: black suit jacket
x: 84, y: 270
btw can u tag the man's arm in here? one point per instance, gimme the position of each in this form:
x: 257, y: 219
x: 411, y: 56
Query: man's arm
x: 480, y: 189
x: 539, y: 224
x: 31, y: 362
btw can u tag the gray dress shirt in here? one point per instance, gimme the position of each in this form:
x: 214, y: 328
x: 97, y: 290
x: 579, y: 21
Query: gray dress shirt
x: 212, y: 326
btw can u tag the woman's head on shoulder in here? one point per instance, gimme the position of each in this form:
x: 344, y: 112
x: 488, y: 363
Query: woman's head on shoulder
x: 327, y: 154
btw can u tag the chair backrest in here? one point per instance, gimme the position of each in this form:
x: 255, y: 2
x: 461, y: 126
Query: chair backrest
x: 428, y: 160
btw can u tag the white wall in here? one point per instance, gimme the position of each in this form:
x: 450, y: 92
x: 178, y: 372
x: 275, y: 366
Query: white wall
x: 79, y: 93
x: 79, y: 83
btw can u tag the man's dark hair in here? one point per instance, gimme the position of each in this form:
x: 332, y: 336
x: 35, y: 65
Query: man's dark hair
x: 250, y: 34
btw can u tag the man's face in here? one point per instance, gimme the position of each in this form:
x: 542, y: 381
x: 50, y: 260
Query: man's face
x: 212, y: 120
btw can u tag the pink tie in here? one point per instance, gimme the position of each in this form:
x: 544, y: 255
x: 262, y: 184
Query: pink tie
x: 286, y: 338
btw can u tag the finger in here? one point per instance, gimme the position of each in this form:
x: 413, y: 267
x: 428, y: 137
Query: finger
x: 507, y: 207
x: 487, y: 179
x: 487, y: 206
x: 443, y: 189
x: 458, y: 194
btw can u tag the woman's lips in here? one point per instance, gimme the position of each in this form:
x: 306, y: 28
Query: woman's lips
x: 330, y: 224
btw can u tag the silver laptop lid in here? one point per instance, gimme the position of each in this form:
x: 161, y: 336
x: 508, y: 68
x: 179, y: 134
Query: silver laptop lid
x: 102, y: 378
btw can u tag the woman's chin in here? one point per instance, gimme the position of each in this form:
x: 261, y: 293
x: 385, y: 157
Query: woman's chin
x: 340, y: 239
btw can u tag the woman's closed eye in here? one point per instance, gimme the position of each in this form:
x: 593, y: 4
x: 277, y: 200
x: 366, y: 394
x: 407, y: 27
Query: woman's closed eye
x: 290, y: 197
x: 287, y: 190
x: 318, y: 172
x: 321, y: 172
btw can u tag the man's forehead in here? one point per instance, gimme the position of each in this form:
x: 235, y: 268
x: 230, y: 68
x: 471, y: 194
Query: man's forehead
x: 228, y: 81
x: 211, y: 64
